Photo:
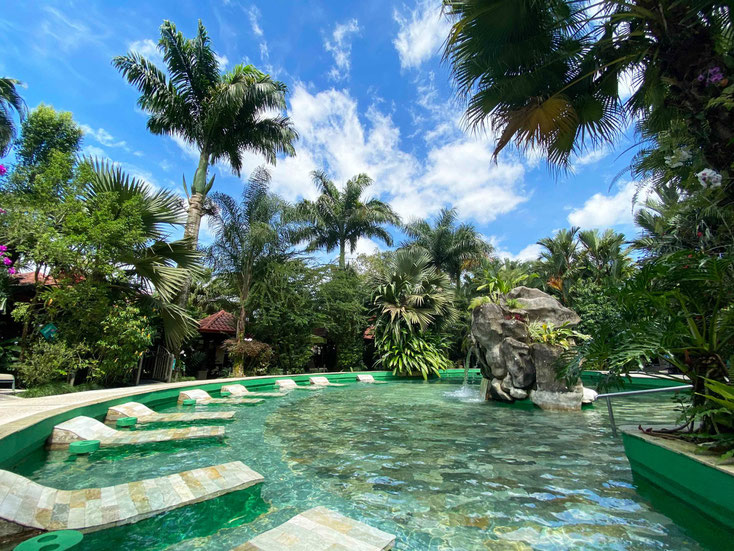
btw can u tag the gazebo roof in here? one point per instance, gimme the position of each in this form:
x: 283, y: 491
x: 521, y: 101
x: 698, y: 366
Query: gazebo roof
x: 221, y: 322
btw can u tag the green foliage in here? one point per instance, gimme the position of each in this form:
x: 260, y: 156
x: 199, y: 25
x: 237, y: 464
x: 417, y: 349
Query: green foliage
x: 340, y: 217
x: 552, y: 335
x: 46, y: 362
x: 53, y: 389
x: 476, y: 302
x: 252, y: 357
x: 409, y: 298
x: 10, y: 101
x: 595, y: 303
x: 497, y: 281
x: 44, y: 133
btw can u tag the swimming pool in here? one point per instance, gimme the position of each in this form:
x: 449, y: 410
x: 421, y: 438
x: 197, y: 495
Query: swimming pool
x: 428, y: 462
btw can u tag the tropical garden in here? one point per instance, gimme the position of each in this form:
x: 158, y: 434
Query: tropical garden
x: 111, y: 267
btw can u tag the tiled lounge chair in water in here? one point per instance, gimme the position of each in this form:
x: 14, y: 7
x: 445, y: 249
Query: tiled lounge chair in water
x: 364, y: 378
x: 290, y: 384
x: 322, y: 381
x: 241, y: 390
x: 35, y: 507
x: 86, y: 428
x: 203, y: 399
x: 321, y: 529
x: 146, y: 415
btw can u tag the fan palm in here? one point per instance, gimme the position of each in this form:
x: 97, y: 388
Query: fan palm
x: 249, y: 235
x: 603, y: 255
x: 10, y: 101
x: 549, y: 74
x: 154, y: 271
x: 338, y: 218
x: 222, y: 115
x: 450, y: 247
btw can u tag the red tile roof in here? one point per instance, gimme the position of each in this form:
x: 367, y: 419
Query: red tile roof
x: 29, y: 278
x: 221, y: 322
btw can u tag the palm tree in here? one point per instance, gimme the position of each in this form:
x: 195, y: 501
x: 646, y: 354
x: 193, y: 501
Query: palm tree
x: 249, y: 235
x: 550, y: 74
x: 155, y: 270
x: 10, y: 101
x: 451, y: 247
x: 558, y: 260
x: 222, y: 115
x: 603, y: 255
x: 411, y: 296
x: 341, y: 217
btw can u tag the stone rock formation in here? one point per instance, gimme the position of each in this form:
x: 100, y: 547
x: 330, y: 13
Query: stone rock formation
x: 515, y: 368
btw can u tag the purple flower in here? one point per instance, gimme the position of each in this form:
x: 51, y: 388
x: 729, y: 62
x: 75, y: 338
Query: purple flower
x: 11, y: 271
x: 3, y: 248
x: 7, y: 261
x: 3, y: 170
x: 700, y: 78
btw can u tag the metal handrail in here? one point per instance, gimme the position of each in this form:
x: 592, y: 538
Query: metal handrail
x: 608, y: 397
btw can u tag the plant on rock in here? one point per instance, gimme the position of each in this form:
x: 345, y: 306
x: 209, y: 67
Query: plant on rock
x: 412, y: 297
x: 563, y: 335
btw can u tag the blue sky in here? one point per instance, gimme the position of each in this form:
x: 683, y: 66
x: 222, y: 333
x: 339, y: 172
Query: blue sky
x: 367, y: 93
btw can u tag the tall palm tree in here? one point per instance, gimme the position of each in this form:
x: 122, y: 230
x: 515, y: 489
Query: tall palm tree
x: 10, y: 101
x: 603, y: 255
x: 339, y: 217
x: 550, y: 74
x: 557, y: 261
x: 249, y: 235
x: 451, y: 247
x: 222, y: 115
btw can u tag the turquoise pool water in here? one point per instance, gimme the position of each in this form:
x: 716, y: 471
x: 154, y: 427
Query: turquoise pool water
x: 426, y: 461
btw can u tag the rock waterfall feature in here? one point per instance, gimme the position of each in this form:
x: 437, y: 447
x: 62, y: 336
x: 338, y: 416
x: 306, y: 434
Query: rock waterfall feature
x: 513, y: 366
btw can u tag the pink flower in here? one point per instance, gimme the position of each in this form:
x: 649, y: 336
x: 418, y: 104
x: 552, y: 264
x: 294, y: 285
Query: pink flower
x: 3, y: 170
x: 11, y: 271
x: 7, y: 261
x: 3, y: 248
x: 3, y: 211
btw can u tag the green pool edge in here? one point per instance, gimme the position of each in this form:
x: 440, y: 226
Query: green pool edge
x: 702, y: 486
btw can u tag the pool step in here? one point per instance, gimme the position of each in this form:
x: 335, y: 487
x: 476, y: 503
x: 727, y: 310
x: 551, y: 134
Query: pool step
x: 366, y: 378
x: 146, y: 415
x: 323, y: 381
x: 86, y: 428
x: 203, y: 398
x: 290, y: 384
x: 241, y: 390
x: 320, y: 529
x: 26, y: 505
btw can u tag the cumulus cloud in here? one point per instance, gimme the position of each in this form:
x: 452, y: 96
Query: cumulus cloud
x: 103, y: 137
x: 148, y: 49
x: 339, y: 45
x: 422, y: 31
x: 600, y: 211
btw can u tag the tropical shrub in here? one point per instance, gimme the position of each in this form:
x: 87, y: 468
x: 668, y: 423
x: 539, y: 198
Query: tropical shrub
x: 547, y: 333
x: 250, y: 356
x: 46, y: 362
x: 411, y: 297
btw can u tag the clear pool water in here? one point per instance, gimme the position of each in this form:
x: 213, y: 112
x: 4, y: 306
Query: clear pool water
x: 426, y: 461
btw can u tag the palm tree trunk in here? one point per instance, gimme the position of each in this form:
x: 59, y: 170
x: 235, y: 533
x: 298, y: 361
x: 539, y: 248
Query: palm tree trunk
x: 342, y: 254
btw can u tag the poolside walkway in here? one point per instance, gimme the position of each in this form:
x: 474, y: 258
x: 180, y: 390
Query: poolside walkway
x: 85, y: 428
x: 321, y: 529
x: 26, y: 505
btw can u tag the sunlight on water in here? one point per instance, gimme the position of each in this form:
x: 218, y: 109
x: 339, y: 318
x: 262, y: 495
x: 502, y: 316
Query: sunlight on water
x: 428, y: 462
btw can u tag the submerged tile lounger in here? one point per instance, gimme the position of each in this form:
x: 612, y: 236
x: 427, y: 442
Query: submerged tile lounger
x: 86, y: 428
x: 26, y: 505
x: 202, y: 398
x: 322, y: 381
x: 241, y: 390
x: 320, y: 529
x: 369, y: 379
x: 146, y: 415
x: 290, y: 384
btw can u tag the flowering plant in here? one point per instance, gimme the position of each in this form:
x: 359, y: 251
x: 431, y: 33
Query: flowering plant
x: 3, y: 170
x: 709, y: 178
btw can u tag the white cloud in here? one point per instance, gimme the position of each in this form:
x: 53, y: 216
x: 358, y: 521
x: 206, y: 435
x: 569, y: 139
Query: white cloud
x: 530, y: 252
x: 600, y: 211
x: 339, y: 45
x: 148, y: 49
x: 422, y: 31
x: 591, y: 157
x: 102, y: 136
x: 222, y: 60
x: 94, y: 151
x: 364, y: 246
x: 254, y: 14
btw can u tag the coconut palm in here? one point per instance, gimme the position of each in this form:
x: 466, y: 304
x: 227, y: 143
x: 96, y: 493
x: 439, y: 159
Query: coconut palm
x: 550, y: 74
x: 249, y: 235
x: 558, y: 260
x: 602, y: 254
x: 10, y: 101
x: 221, y: 115
x: 451, y: 247
x: 340, y: 217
